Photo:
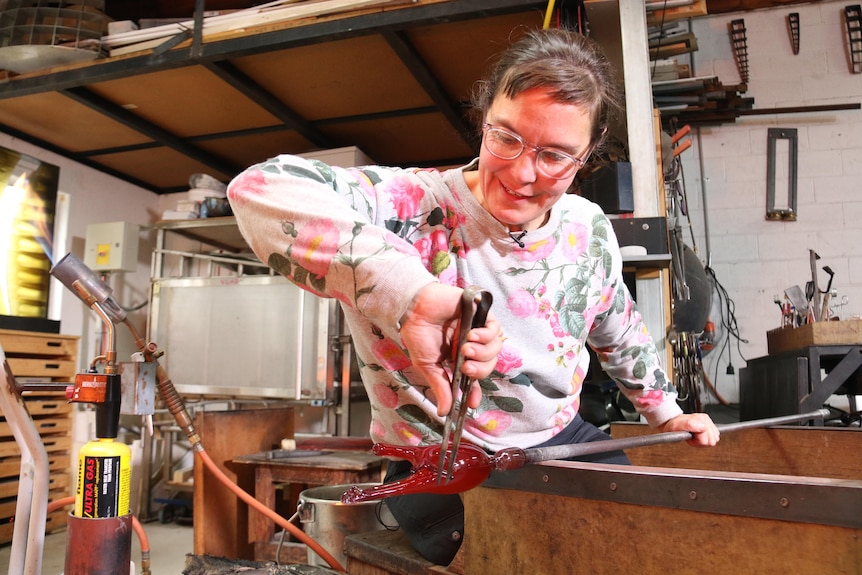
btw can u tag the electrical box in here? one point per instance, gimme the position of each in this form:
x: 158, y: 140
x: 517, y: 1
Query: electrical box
x: 112, y: 247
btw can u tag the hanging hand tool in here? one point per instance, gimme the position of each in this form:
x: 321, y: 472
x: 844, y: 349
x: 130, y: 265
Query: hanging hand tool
x: 815, y: 301
x: 475, y: 303
x: 827, y: 295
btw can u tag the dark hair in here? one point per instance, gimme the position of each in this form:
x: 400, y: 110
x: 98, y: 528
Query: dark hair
x: 571, y: 65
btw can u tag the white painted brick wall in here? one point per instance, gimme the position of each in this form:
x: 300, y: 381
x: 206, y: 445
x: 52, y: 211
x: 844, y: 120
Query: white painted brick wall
x: 753, y: 258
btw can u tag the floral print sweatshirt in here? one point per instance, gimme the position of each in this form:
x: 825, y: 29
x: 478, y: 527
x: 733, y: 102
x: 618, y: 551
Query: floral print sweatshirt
x: 372, y: 237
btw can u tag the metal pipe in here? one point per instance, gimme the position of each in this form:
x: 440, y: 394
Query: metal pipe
x: 100, y: 546
x: 31, y: 509
x: 537, y: 454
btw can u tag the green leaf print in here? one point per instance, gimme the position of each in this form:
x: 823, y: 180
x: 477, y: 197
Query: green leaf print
x: 372, y: 177
x: 436, y: 217
x: 325, y: 171
x: 629, y: 385
x: 279, y: 263
x: 300, y: 276
x: 507, y: 404
x: 317, y: 282
x: 571, y: 319
x: 440, y: 263
x: 639, y: 370
x: 303, y: 173
x: 488, y: 384
x: 521, y: 379
x: 607, y: 263
x: 413, y: 414
x: 596, y: 248
x: 419, y: 419
x: 600, y: 226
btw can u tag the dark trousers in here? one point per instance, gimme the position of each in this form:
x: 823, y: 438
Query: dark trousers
x: 434, y: 524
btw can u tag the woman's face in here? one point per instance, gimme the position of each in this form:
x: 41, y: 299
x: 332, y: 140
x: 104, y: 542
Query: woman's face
x: 515, y: 192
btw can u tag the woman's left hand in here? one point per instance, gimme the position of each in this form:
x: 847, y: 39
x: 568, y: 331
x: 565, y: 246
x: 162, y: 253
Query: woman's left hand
x: 701, y: 426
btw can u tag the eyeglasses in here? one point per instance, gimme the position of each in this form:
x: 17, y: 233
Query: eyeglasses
x: 551, y: 162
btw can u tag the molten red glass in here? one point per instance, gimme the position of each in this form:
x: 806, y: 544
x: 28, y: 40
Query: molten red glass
x: 472, y: 467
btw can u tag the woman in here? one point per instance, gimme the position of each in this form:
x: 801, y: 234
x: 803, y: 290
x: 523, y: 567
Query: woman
x: 396, y: 247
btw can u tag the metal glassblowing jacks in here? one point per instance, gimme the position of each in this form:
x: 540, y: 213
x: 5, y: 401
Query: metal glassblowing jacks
x: 104, y: 465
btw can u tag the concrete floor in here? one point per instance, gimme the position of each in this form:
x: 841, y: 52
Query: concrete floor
x: 169, y: 545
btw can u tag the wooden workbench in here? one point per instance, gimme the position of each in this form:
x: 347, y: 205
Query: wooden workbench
x: 559, y: 518
x: 279, y: 470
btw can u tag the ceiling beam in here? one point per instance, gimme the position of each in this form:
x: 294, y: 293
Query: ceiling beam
x: 257, y: 94
x: 76, y: 157
x: 123, y: 116
x: 288, y: 37
x: 417, y: 66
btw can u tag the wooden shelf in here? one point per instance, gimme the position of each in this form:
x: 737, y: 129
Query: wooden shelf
x: 52, y: 358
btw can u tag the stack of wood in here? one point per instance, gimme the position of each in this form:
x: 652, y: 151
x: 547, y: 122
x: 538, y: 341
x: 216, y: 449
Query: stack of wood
x: 221, y: 25
x: 700, y: 101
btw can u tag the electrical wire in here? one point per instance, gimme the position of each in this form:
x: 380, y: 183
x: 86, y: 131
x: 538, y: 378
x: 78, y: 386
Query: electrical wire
x: 727, y: 310
x: 549, y: 12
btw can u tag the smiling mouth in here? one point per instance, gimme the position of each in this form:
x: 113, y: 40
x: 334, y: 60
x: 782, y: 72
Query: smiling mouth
x: 514, y: 194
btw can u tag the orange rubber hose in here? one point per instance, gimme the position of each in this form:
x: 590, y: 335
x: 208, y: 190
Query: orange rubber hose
x: 278, y: 519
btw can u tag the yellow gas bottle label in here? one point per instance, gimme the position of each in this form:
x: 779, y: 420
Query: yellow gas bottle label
x: 103, y: 487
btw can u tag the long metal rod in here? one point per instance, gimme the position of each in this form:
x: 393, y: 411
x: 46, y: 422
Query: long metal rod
x: 537, y: 454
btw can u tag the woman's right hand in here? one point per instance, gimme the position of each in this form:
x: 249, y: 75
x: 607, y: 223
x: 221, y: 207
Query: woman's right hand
x: 429, y: 330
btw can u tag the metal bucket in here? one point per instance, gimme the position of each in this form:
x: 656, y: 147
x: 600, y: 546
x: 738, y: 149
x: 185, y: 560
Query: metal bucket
x: 328, y: 521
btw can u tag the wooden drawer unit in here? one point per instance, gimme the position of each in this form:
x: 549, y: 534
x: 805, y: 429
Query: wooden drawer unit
x: 39, y: 357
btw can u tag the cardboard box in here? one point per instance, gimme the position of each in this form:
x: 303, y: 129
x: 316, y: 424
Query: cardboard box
x: 844, y: 332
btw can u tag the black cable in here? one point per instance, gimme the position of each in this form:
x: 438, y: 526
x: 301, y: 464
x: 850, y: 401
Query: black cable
x: 727, y: 309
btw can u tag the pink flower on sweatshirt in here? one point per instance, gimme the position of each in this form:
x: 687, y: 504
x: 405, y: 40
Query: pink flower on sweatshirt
x: 522, y: 304
x: 250, y: 182
x: 315, y: 246
x: 390, y: 355
x: 406, y: 196
x: 653, y: 398
x: 508, y: 360
x: 407, y: 434
x: 493, y: 422
x: 573, y: 240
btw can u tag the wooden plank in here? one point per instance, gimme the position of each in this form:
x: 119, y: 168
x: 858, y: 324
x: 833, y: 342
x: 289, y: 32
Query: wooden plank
x: 11, y: 466
x: 8, y: 505
x: 557, y: 535
x: 53, y: 523
x: 57, y: 483
x: 844, y: 332
x: 656, y: 17
x: 388, y: 553
x: 58, y: 369
x: 799, y: 451
x: 53, y: 444
x: 44, y: 406
x: 221, y: 521
x: 43, y: 426
x: 15, y: 342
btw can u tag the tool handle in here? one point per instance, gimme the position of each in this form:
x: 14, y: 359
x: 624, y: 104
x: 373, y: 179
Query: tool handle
x: 537, y: 454
x: 482, y: 299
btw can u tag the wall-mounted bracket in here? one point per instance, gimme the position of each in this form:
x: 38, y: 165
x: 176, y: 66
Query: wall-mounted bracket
x: 740, y: 47
x: 786, y: 210
x: 853, y: 23
x: 793, y: 23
